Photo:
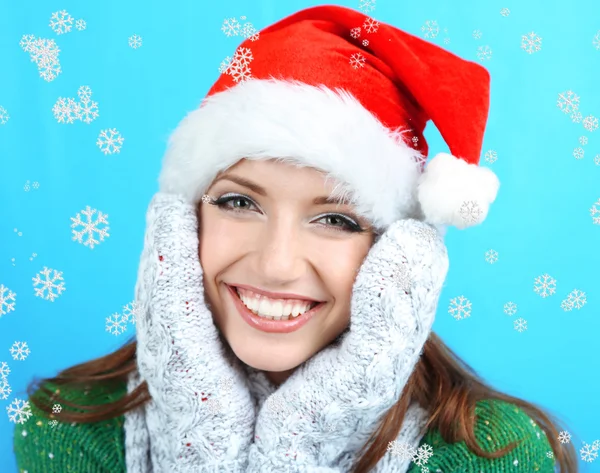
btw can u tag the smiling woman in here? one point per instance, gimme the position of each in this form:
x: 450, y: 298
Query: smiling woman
x: 292, y: 267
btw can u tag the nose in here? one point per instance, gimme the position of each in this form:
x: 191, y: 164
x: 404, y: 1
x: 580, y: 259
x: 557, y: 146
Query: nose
x: 280, y: 257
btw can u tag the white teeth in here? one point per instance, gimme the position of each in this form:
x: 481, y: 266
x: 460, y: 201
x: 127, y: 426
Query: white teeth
x: 274, y: 309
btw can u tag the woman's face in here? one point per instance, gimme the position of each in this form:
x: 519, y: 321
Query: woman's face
x: 275, y: 235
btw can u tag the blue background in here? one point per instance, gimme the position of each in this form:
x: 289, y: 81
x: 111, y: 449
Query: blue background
x: 541, y: 222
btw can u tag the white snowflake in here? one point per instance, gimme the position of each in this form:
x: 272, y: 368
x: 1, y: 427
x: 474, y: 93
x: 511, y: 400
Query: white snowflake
x: 5, y: 389
x: 576, y: 299
x: 596, y: 41
x: 61, y: 22
x: 135, y: 41
x: 231, y: 27
x: 595, y: 212
x: 44, y: 52
x: 225, y: 63
x: 564, y: 437
x: 238, y: 67
x: 4, y: 116
x: 402, y: 450
x: 84, y: 93
x: 510, y: 308
x: 531, y: 43
x: 90, y: 227
x: 583, y: 140
x: 19, y: 411
x: 566, y: 305
x: 423, y: 454
x: 56, y: 409
x: 446, y: 40
x: 596, y: 445
x: 365, y: 42
x: 588, y: 454
x: 4, y: 370
x: 520, y: 325
x: 491, y: 256
x: 67, y: 110
x: 366, y: 6
x: 590, y: 123
x: 370, y: 25
x: 110, y: 141
x: 7, y: 300
x: 505, y: 12
x: 477, y: 34
x: 116, y: 324
x: 491, y: 156
x: 131, y: 312
x: 88, y: 111
x: 550, y: 454
x: 576, y: 117
x: 470, y: 211
x: 460, y: 308
x: 249, y: 32
x: 52, y: 286
x: 19, y: 351
x: 484, y: 53
x: 80, y: 25
x: 597, y: 160
x: 544, y: 285
x: 355, y: 32
x: 357, y: 60
x: 430, y: 29
x: 578, y: 153
x: 568, y: 101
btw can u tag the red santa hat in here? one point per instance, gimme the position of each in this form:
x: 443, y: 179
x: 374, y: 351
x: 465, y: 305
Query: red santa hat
x: 331, y: 88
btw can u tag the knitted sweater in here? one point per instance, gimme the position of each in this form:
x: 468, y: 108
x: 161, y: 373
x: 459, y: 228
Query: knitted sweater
x: 99, y: 447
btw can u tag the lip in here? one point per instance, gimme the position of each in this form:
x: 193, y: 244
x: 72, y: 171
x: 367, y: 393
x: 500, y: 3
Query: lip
x: 276, y: 295
x: 271, y: 326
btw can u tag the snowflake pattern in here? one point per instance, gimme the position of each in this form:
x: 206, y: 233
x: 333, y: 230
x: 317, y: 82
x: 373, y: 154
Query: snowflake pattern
x: 80, y: 25
x: 357, y: 60
x: 510, y: 308
x: 89, y: 227
x: 423, y: 454
x: 430, y: 29
x: 110, y: 141
x: 8, y: 299
x: 588, y: 454
x: 477, y: 34
x: 575, y: 300
x: 4, y: 116
x: 44, y: 52
x: 5, y: 389
x: 491, y: 256
x: 135, y: 41
x: 355, y: 32
x: 595, y: 212
x: 131, y: 312
x: 116, y: 324
x: 544, y: 285
x: 19, y: 411
x: 239, y: 66
x: 366, y: 6
x: 505, y: 12
x: 596, y: 41
x: 68, y: 110
x: 61, y: 22
x: 520, y: 325
x: 19, y: 351
x: 590, y: 123
x: 370, y: 25
x: 52, y: 286
x: 470, y: 212
x: 460, y: 308
x: 578, y: 153
x: 491, y: 156
x: 402, y: 450
x: 564, y: 437
x: 597, y: 160
x: 484, y: 53
x: 568, y: 101
x: 531, y: 43
x: 583, y: 140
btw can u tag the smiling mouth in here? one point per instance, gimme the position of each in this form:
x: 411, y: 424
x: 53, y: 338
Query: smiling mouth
x: 274, y: 309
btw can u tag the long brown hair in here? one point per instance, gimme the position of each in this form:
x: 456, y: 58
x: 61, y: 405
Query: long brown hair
x: 441, y: 383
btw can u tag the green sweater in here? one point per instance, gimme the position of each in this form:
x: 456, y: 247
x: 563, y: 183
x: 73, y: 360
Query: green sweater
x: 99, y: 447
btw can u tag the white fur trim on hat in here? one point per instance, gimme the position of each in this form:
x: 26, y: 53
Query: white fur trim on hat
x: 311, y: 126
x: 454, y: 192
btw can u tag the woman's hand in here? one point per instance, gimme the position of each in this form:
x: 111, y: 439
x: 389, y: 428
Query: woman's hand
x: 201, y: 417
x: 333, y: 402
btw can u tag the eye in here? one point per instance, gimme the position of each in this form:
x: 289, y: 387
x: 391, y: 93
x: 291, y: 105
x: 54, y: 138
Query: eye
x: 339, y: 222
x: 234, y: 202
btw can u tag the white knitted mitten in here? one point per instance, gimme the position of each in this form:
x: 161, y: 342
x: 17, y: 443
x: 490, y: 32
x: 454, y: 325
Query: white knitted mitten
x: 201, y: 418
x: 332, y: 403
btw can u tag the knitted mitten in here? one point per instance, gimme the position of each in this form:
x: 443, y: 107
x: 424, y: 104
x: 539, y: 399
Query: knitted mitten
x: 334, y: 401
x: 201, y: 418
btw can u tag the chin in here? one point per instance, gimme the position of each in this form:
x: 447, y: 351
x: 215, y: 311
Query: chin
x: 272, y: 356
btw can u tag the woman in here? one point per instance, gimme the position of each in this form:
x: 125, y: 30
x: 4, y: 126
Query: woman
x: 290, y: 276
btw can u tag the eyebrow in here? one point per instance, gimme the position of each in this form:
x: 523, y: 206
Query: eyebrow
x: 322, y: 200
